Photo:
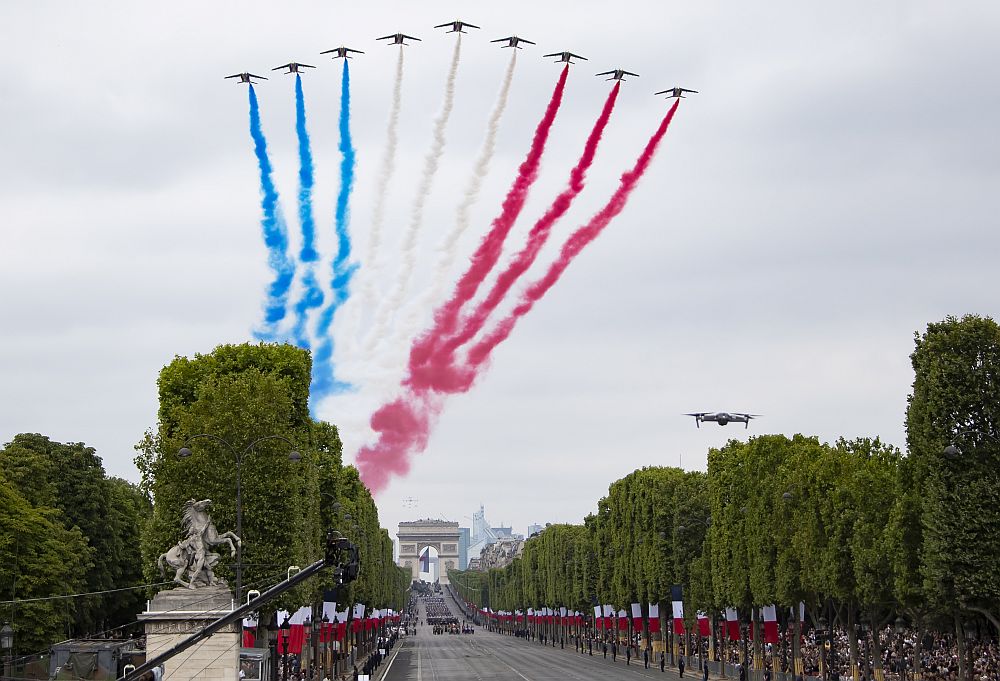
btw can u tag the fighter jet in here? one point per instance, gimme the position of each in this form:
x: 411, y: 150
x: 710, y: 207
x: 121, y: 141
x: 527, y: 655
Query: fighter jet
x: 457, y: 26
x: 722, y: 417
x: 398, y: 38
x: 677, y: 92
x: 342, y: 52
x: 293, y: 67
x: 512, y: 41
x: 618, y: 74
x: 565, y: 57
x: 245, y: 78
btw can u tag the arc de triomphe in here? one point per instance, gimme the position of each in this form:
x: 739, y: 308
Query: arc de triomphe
x: 416, y: 534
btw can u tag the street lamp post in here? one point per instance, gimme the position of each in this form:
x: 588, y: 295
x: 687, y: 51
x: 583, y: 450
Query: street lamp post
x: 272, y: 644
x: 238, y: 455
x: 284, y: 655
x: 7, y: 643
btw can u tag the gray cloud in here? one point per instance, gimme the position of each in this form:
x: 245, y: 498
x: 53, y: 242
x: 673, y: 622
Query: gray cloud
x: 830, y: 192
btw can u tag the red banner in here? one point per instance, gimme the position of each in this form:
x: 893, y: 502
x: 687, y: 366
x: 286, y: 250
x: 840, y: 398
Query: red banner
x: 296, y: 635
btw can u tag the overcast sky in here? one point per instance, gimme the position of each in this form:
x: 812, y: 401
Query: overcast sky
x: 831, y: 190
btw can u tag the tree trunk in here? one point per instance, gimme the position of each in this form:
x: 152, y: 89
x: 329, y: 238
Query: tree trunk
x: 917, y: 649
x: 852, y: 640
x: 798, y: 666
x: 644, y: 609
x: 878, y: 672
x: 758, y: 651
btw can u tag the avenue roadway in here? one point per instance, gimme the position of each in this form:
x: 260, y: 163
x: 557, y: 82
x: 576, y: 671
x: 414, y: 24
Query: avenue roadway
x: 483, y: 655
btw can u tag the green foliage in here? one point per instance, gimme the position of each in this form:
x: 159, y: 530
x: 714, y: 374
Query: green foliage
x: 955, y: 400
x: 243, y: 393
x: 70, y: 479
x: 39, y: 557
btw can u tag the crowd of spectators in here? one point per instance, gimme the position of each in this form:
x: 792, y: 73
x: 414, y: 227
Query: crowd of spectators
x: 938, y: 655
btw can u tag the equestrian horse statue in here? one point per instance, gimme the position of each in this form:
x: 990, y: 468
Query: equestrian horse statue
x: 191, y: 555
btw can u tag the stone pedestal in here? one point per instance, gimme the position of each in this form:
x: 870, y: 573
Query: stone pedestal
x: 174, y: 615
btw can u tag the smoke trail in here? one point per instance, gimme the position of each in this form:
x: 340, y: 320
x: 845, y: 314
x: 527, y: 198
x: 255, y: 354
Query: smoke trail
x: 275, y: 232
x: 536, y: 240
x: 403, y: 425
x: 448, y: 248
x: 480, y: 352
x: 489, y: 249
x: 386, y: 171
x: 312, y: 294
x: 409, y: 247
x: 479, y: 172
x: 324, y: 379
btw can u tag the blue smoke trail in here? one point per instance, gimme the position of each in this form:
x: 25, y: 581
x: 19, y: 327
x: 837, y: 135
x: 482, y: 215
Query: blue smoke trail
x: 312, y: 294
x: 324, y: 381
x: 275, y: 232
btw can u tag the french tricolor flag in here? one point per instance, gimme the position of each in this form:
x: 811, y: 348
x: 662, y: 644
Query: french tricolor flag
x: 654, y: 618
x: 677, y: 601
x: 636, y: 617
x: 732, y: 624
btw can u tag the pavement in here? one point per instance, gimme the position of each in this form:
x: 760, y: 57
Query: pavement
x: 488, y: 656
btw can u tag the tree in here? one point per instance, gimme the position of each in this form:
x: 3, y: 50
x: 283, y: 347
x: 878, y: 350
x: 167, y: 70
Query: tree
x: 70, y: 478
x: 240, y: 393
x: 956, y: 400
x: 39, y: 558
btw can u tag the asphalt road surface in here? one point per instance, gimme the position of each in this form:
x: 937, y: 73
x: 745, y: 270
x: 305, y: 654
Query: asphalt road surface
x: 464, y: 657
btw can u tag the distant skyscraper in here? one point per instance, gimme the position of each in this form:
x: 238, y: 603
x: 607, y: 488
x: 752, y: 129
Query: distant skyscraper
x: 464, y: 536
x: 532, y: 529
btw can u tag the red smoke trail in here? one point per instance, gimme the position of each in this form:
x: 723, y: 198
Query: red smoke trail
x: 423, y: 376
x: 404, y: 424
x: 480, y: 352
x: 458, y: 378
x: 489, y: 249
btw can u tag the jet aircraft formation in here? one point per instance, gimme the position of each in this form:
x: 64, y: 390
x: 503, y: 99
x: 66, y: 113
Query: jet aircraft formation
x: 457, y: 26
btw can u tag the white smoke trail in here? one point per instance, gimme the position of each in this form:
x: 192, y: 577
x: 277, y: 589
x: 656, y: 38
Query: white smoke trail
x: 479, y: 173
x: 408, y: 252
x: 449, y: 246
x: 386, y: 170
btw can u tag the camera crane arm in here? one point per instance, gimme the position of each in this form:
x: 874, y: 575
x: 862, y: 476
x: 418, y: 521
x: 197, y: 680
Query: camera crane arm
x: 337, y: 547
